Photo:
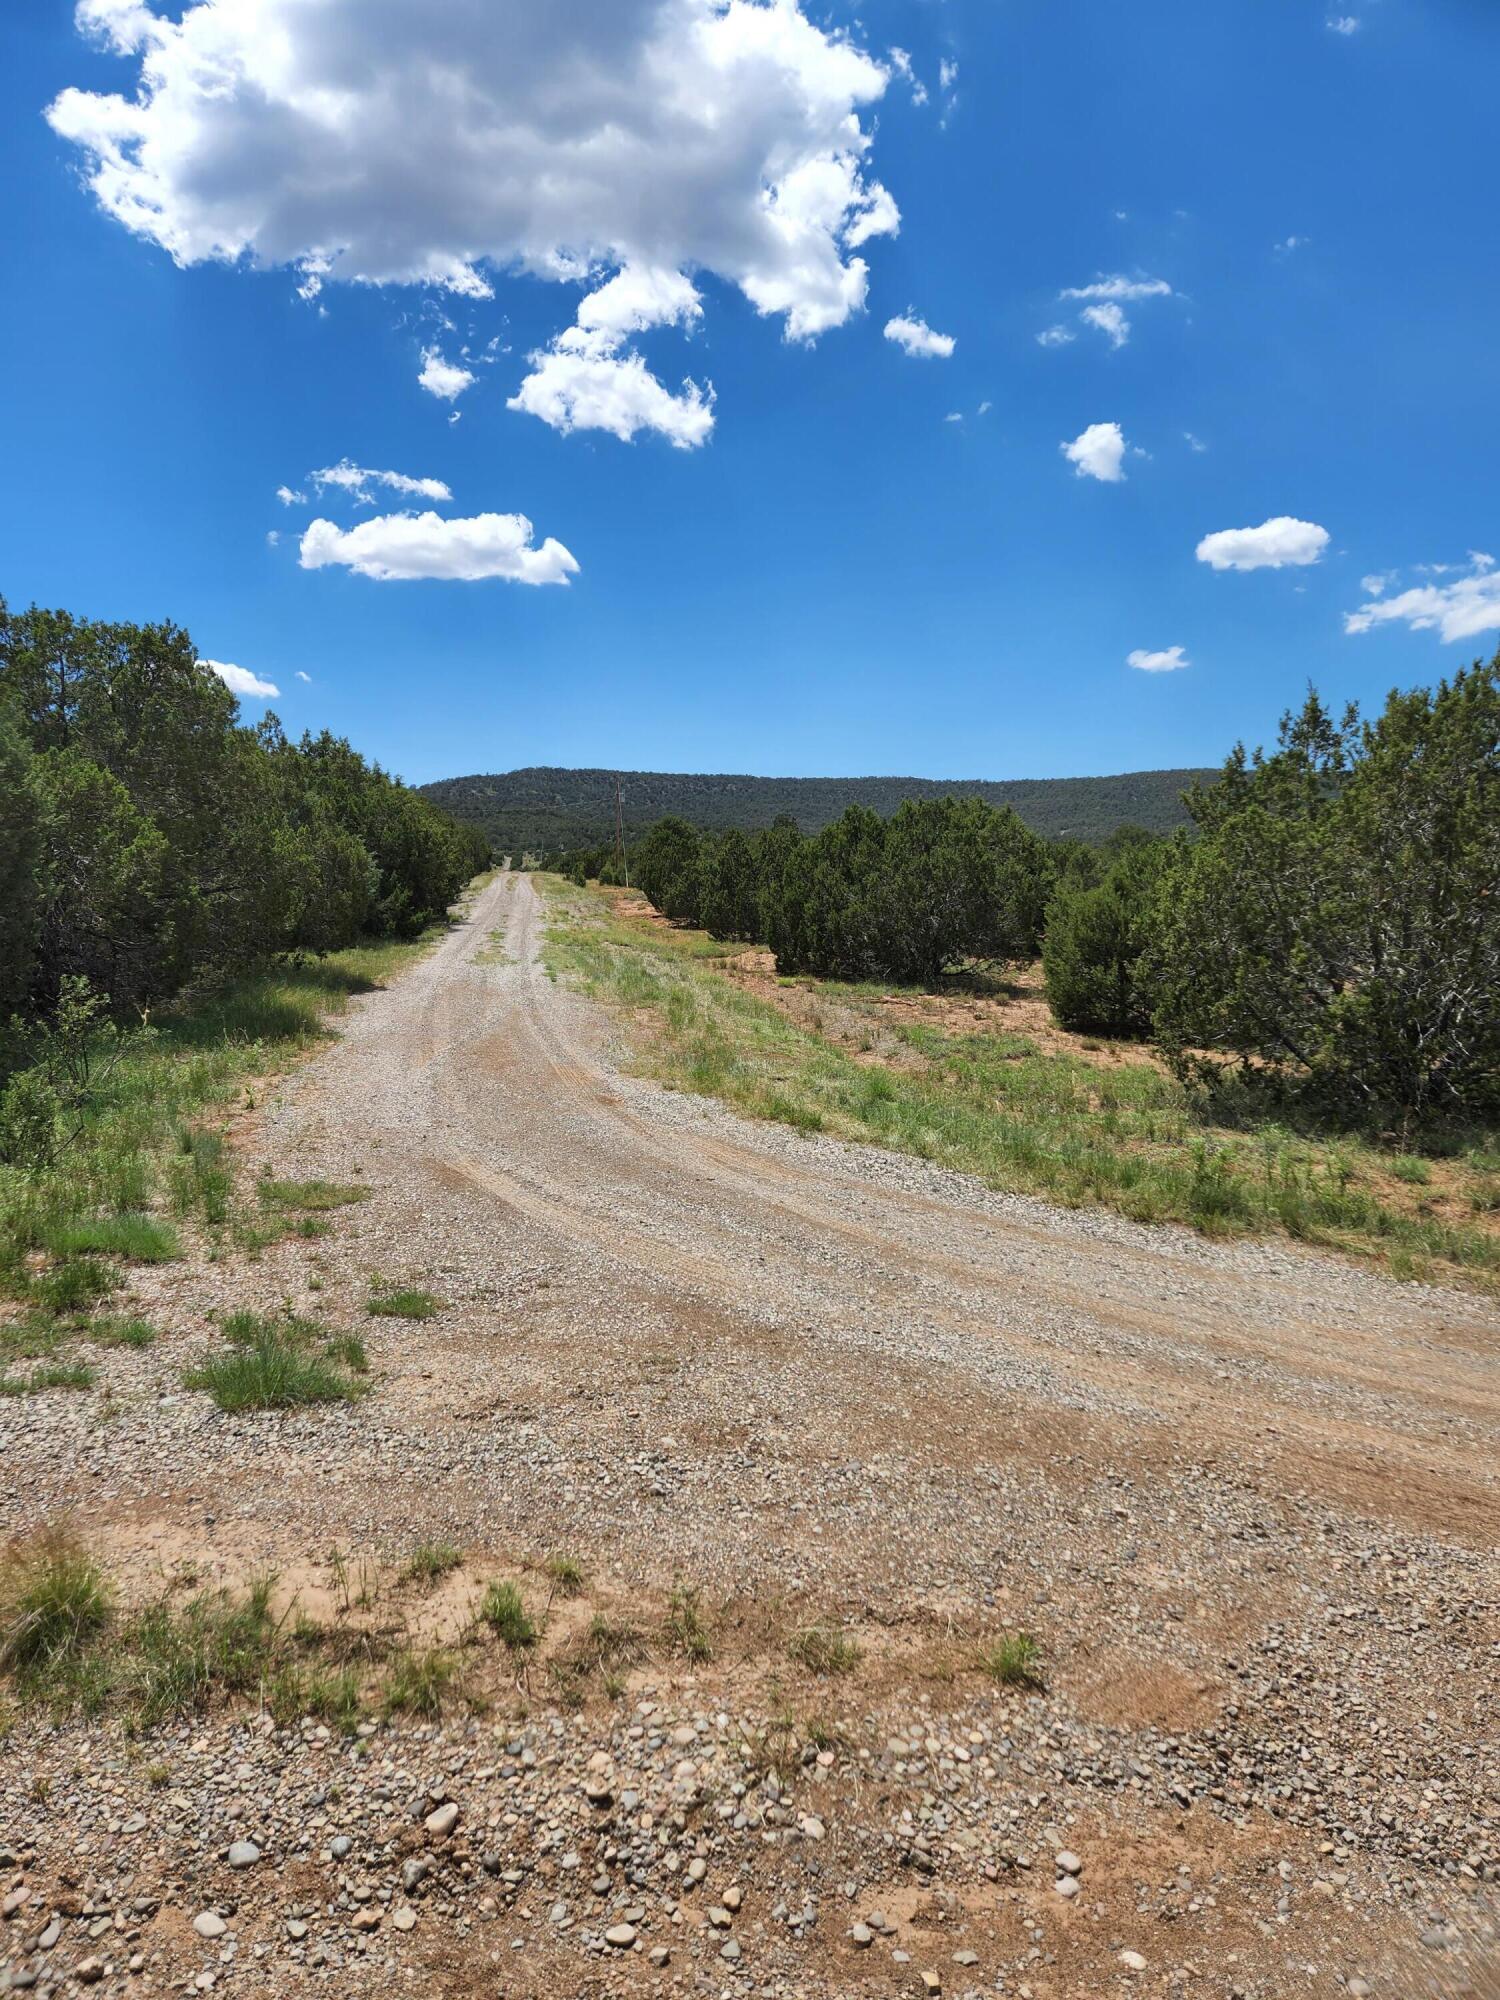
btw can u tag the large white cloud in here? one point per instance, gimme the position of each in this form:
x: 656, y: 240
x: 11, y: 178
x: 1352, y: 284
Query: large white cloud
x: 240, y: 680
x: 394, y: 547
x: 398, y: 141
x: 1282, y: 543
x: 915, y: 336
x: 1098, y: 453
x: 1459, y: 610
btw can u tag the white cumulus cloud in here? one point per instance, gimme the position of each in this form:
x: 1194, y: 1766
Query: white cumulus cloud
x: 444, y: 379
x: 1463, y: 609
x: 1282, y: 543
x: 589, y: 378
x: 356, y: 480
x: 441, y: 145
x: 1098, y: 453
x: 394, y: 547
x: 289, y: 498
x: 1166, y: 662
x: 1109, y: 319
x: 915, y: 336
x: 1344, y: 24
x: 240, y: 680
x: 1056, y: 336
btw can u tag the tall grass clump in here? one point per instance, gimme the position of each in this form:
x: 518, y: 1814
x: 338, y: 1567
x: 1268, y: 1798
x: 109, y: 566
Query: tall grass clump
x: 274, y: 1364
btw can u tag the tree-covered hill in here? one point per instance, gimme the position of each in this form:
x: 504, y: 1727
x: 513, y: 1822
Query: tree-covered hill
x: 542, y: 809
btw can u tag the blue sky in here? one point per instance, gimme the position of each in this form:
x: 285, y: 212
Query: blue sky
x: 817, y: 570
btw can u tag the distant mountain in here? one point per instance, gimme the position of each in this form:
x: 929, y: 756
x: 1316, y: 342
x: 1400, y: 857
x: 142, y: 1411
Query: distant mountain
x: 541, y: 810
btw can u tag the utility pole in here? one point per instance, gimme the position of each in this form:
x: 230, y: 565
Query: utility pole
x: 620, y: 832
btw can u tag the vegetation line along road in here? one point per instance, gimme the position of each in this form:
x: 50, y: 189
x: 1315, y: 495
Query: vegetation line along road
x: 1041, y: 1112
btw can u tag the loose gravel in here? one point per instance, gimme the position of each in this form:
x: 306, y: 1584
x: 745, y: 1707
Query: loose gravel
x: 1247, y: 1499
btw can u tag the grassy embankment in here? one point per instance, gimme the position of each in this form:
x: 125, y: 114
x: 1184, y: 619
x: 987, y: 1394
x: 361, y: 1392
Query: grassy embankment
x: 1055, y: 1123
x: 149, y: 1165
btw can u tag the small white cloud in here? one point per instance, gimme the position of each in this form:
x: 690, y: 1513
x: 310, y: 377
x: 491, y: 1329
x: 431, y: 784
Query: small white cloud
x: 302, y: 676
x: 954, y: 417
x: 1376, y: 586
x: 403, y: 547
x: 290, y: 498
x: 1056, y: 336
x: 240, y: 680
x: 1281, y: 543
x: 356, y: 480
x: 273, y: 536
x: 1459, y: 610
x: 1120, y: 289
x: 1098, y: 453
x: 915, y: 336
x: 984, y: 408
x: 947, y: 73
x: 444, y: 379
x: 1344, y: 24
x: 1291, y: 244
x: 902, y: 65
x: 1110, y: 320
x: 1167, y: 662
x: 1193, y: 443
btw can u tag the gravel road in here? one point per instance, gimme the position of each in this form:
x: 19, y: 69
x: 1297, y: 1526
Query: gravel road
x: 1247, y: 1499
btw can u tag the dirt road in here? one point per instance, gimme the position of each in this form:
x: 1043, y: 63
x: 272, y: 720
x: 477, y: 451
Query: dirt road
x: 1247, y: 1499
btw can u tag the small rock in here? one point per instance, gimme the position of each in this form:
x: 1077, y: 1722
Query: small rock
x: 732, y: 1898
x: 209, y: 1924
x: 1068, y: 1885
x: 442, y: 1822
x: 1358, y: 1988
x: 621, y: 1936
x: 861, y: 1935
x: 730, y: 1950
x: 1068, y: 1863
x: 340, y: 1847
x: 1132, y: 1961
x: 89, y: 1970
x: 966, y: 1958
x: 296, y: 1930
x: 404, y: 1919
x: 243, y: 1854
x: 415, y: 1872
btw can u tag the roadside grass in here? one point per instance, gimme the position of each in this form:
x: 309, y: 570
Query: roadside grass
x: 503, y: 1609
x: 310, y: 1195
x: 823, y: 1649
x: 1126, y: 1137
x: 402, y: 1304
x: 431, y: 1562
x: 278, y: 1365
x: 1014, y: 1660
x: 150, y: 1159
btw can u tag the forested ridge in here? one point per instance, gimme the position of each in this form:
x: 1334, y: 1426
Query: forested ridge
x: 546, y: 810
x: 150, y: 841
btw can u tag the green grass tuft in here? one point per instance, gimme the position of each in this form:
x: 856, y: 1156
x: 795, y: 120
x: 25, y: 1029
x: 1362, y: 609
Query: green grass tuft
x: 139, y: 1239
x: 120, y: 1332
x: 421, y: 1684
x: 503, y: 1610
x: 1014, y: 1660
x: 49, y: 1375
x: 404, y: 1304
x: 276, y: 1365
x: 431, y: 1562
x: 310, y: 1195
x: 823, y: 1649
x: 565, y: 1574
x: 53, y: 1600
